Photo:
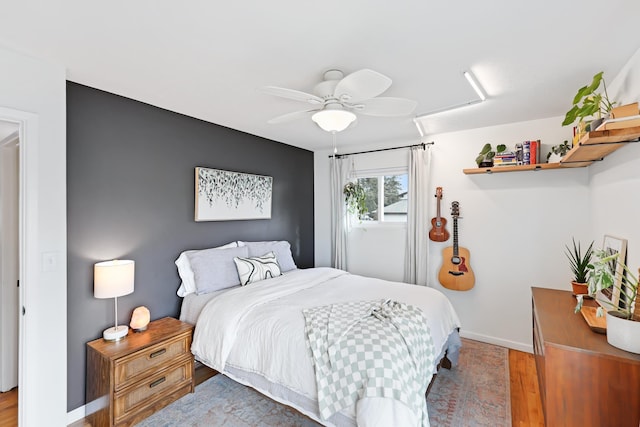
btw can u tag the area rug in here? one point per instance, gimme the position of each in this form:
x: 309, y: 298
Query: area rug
x: 475, y: 393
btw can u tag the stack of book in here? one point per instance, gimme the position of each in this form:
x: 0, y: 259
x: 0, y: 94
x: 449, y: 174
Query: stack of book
x: 505, y: 158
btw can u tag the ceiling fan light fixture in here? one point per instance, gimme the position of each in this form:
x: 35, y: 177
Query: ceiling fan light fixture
x: 333, y: 120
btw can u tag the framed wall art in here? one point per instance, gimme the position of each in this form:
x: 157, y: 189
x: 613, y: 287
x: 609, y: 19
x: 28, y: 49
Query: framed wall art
x: 227, y: 196
x: 610, y: 297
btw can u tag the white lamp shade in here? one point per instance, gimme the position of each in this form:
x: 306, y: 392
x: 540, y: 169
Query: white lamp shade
x: 333, y: 120
x: 113, y: 278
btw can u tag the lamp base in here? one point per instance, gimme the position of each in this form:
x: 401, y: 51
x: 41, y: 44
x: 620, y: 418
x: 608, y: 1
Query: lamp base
x: 115, y: 334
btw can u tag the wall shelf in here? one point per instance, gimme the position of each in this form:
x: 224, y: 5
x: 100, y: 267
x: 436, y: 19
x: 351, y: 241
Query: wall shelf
x: 520, y: 168
x: 592, y: 147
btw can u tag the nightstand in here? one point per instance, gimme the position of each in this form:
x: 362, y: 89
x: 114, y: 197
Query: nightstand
x: 130, y: 379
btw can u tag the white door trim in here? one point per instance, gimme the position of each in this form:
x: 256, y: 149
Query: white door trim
x: 28, y: 249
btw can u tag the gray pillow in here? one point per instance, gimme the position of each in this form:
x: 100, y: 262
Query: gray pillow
x: 281, y: 248
x: 214, y: 269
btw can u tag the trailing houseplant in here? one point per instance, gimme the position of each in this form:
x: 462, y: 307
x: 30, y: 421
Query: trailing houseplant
x: 602, y: 276
x: 558, y: 152
x: 579, y: 264
x: 623, y: 321
x: 590, y: 103
x: 486, y: 155
x: 354, y: 197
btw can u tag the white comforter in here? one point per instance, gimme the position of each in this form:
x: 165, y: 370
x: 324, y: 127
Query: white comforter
x: 260, y: 328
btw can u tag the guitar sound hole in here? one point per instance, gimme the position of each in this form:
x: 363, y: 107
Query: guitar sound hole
x: 455, y: 260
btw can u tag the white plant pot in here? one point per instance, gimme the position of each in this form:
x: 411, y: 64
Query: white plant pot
x: 555, y: 158
x: 623, y: 333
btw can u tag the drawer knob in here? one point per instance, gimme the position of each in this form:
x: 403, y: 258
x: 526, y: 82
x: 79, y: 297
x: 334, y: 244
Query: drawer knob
x: 157, y: 382
x: 158, y: 353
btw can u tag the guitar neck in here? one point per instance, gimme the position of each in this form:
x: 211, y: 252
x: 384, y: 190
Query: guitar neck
x: 455, y: 236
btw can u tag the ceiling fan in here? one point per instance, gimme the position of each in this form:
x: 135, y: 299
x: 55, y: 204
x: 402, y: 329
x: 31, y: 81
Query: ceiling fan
x: 337, y: 98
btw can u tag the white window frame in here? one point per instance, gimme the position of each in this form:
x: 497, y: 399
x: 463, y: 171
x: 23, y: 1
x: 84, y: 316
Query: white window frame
x: 380, y: 173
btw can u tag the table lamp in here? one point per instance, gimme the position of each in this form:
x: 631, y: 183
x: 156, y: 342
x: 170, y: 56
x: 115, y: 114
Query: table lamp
x: 113, y: 279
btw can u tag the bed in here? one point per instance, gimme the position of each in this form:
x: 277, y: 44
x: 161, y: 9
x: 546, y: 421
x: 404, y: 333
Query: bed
x: 256, y: 333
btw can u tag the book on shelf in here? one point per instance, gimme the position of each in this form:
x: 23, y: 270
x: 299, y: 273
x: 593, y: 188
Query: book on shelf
x: 519, y: 153
x: 526, y: 152
x: 534, y: 157
x: 505, y: 160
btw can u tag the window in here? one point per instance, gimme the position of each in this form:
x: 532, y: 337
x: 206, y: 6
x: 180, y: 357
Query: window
x: 388, y: 191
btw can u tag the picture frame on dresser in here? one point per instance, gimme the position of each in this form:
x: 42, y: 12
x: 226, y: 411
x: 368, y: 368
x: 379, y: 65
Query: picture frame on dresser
x: 610, y: 297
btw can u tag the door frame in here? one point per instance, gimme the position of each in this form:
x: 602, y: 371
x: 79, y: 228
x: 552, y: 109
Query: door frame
x: 28, y: 253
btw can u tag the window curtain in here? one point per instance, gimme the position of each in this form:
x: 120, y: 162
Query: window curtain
x: 417, y: 249
x: 340, y: 175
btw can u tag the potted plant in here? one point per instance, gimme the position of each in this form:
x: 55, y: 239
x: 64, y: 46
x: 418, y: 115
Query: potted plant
x: 579, y: 263
x: 558, y: 152
x: 486, y: 155
x: 588, y: 103
x: 354, y: 197
x: 623, y: 322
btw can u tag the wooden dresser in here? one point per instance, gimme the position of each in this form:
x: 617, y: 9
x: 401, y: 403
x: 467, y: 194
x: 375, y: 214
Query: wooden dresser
x: 583, y: 380
x: 130, y: 379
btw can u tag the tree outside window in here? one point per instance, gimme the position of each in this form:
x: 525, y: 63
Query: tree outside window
x: 389, y: 191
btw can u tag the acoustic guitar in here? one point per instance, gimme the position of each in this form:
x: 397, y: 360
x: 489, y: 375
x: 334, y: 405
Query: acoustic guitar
x: 456, y: 272
x: 438, y: 232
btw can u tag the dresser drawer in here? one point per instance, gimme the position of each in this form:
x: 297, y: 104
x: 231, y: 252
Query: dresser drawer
x: 144, y: 394
x: 144, y: 362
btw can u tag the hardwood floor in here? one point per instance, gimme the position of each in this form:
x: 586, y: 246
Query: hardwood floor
x: 9, y: 408
x: 526, y: 409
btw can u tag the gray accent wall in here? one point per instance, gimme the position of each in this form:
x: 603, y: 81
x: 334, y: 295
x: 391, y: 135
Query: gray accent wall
x: 130, y: 195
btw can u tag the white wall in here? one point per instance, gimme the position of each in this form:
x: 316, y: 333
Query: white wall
x: 514, y: 224
x: 614, y: 182
x: 34, y: 91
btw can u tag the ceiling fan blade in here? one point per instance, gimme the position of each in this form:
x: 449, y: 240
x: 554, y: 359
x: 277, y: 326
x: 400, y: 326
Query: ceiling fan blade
x: 289, y: 117
x: 361, y: 85
x: 389, y: 107
x: 292, y: 94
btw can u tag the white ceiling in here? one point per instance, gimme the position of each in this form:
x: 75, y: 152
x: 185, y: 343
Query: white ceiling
x: 207, y: 59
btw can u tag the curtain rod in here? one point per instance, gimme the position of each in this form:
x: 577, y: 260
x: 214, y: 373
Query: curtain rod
x: 423, y: 145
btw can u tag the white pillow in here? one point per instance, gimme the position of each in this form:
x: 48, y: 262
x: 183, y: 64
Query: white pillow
x: 188, y: 285
x: 281, y: 248
x: 214, y: 269
x: 254, y: 269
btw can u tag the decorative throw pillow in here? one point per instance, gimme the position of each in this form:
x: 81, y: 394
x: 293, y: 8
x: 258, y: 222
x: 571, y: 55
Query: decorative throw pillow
x: 281, y: 248
x: 254, y: 269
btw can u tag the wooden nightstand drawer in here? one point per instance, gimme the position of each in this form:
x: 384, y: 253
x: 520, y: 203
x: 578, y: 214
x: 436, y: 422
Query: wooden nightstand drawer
x: 153, y: 389
x: 130, y: 379
x: 144, y: 362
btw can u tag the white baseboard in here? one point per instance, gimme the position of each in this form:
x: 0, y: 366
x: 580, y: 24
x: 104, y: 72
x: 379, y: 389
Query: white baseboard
x: 76, y: 415
x: 527, y: 348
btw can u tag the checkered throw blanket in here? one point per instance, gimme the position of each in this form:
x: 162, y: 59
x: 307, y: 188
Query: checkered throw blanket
x: 370, y: 349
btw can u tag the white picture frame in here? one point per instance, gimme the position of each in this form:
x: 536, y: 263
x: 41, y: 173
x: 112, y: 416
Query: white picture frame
x: 610, y: 298
x: 228, y: 196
